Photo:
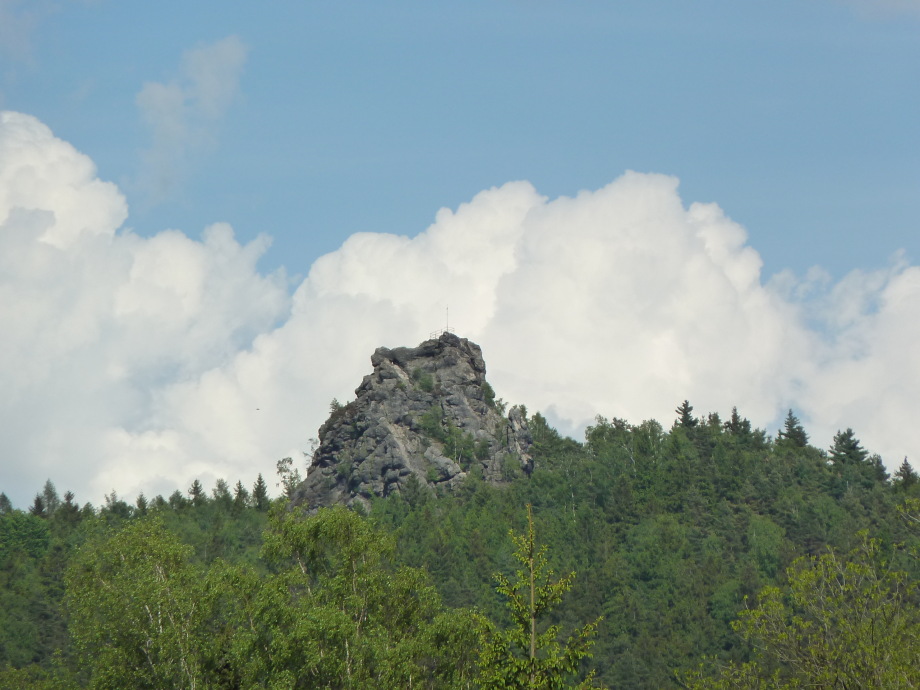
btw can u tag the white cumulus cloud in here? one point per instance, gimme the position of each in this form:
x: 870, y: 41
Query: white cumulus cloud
x: 97, y: 323
x: 141, y: 364
x: 183, y: 113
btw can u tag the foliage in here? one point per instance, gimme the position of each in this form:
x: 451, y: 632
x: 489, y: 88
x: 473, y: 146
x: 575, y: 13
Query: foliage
x: 685, y: 416
x: 843, y: 623
x: 140, y: 611
x: 458, y: 446
x: 519, y: 657
x: 289, y: 476
x: 669, y: 531
x: 260, y: 499
x: 488, y: 394
x: 423, y: 380
x: 336, y: 615
x: 905, y: 476
x: 793, y: 431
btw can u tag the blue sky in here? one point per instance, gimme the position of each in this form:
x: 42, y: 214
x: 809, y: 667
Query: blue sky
x: 797, y: 118
x: 407, y: 156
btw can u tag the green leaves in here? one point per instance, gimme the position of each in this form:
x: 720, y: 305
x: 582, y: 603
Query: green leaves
x: 519, y: 657
x: 335, y: 614
x: 843, y: 623
x: 24, y: 532
x: 140, y: 612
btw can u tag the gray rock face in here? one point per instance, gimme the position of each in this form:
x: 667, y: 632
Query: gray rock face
x: 425, y: 412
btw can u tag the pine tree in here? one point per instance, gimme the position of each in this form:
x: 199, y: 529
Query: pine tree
x: 415, y: 492
x: 260, y: 500
x: 240, y: 497
x: 793, y: 431
x: 196, y: 491
x: 141, y: 503
x: 38, y: 506
x: 905, y: 475
x: 520, y: 658
x: 685, y: 417
x: 68, y: 510
x: 50, y: 498
x: 737, y: 425
x: 846, y: 449
x: 6, y: 505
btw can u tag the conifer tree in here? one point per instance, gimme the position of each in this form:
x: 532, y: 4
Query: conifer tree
x: 38, y: 506
x: 793, y: 431
x: 196, y: 491
x: 685, y: 416
x: 69, y: 511
x: 240, y: 497
x: 141, y: 503
x: 738, y: 425
x: 905, y: 475
x: 260, y: 500
x: 50, y: 498
x: 5, y: 505
x: 846, y: 449
x: 520, y: 658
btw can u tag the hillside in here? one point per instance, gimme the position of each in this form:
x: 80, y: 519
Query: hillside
x: 668, y: 530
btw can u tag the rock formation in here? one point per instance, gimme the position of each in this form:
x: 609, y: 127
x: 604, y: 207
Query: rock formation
x: 425, y: 412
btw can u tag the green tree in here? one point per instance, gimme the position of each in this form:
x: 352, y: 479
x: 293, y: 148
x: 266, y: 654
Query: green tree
x: 844, y: 623
x: 685, y: 416
x: 38, y: 507
x: 521, y: 657
x: 50, y: 498
x: 905, y: 475
x: 337, y: 615
x: 5, y: 505
x: 240, y: 497
x: 115, y: 507
x: 289, y: 476
x: 25, y: 532
x: 260, y: 499
x: 737, y: 425
x: 177, y: 501
x: 140, y: 611
x: 793, y: 431
x: 847, y: 449
x: 221, y: 493
x: 197, y: 494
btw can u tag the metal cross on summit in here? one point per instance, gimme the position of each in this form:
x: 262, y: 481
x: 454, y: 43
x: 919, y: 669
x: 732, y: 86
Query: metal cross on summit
x: 446, y: 329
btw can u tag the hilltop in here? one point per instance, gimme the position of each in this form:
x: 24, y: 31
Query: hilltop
x: 425, y: 415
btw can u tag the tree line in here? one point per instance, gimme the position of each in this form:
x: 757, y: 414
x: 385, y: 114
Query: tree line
x: 709, y: 542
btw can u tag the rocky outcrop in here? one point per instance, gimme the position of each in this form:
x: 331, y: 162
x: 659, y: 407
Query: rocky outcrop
x: 425, y: 412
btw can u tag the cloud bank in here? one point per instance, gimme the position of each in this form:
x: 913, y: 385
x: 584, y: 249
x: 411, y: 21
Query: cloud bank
x: 136, y: 364
x: 182, y: 114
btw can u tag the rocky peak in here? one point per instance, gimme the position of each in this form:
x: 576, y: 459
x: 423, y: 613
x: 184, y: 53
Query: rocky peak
x: 425, y: 412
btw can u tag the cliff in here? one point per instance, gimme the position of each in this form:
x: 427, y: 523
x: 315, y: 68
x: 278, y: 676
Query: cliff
x: 425, y: 412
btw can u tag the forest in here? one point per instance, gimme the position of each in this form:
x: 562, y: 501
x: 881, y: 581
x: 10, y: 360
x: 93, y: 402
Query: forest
x: 710, y: 555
